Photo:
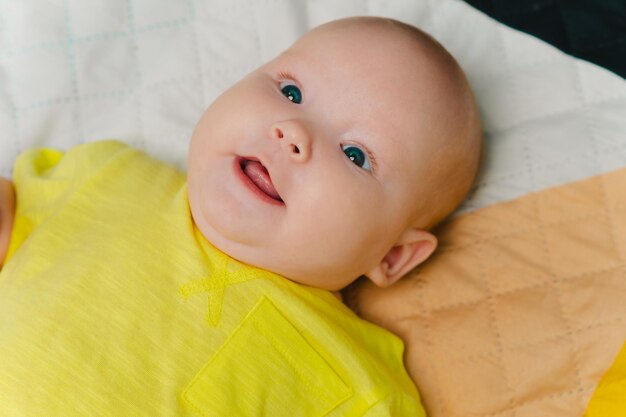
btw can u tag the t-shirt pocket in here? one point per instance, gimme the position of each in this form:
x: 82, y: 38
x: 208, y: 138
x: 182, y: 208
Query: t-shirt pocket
x: 266, y: 368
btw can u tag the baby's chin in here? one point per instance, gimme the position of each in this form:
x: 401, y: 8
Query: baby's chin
x: 265, y: 258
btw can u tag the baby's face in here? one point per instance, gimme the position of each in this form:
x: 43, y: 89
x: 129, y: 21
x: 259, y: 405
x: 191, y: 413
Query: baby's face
x: 307, y: 167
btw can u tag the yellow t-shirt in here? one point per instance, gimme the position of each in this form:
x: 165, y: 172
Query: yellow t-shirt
x: 113, y: 304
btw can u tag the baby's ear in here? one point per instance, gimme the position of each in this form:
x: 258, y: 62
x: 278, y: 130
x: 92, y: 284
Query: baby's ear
x: 413, y: 248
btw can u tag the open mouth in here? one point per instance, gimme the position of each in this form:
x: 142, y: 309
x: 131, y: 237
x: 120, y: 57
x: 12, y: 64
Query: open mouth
x: 258, y: 179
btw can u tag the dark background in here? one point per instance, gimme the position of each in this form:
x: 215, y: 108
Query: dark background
x: 594, y: 30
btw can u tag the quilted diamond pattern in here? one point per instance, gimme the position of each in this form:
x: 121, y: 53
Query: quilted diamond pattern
x: 522, y: 310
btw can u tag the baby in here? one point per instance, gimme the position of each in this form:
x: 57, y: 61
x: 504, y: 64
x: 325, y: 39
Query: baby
x: 330, y: 162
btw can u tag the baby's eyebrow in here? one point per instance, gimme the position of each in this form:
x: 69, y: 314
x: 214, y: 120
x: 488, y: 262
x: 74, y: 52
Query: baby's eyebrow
x: 288, y: 75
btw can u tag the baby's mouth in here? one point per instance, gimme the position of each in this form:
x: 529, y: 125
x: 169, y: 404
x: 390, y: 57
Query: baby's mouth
x: 260, y: 177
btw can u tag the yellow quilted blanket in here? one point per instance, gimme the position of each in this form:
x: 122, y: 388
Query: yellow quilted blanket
x: 522, y: 310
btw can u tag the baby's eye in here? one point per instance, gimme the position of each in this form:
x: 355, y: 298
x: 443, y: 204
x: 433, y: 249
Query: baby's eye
x: 357, y: 156
x: 292, y: 92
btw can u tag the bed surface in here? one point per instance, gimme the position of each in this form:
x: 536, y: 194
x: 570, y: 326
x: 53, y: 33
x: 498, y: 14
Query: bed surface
x: 144, y: 70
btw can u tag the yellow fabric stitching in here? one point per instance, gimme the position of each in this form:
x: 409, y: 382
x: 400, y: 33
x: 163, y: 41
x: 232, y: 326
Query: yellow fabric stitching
x: 222, y: 275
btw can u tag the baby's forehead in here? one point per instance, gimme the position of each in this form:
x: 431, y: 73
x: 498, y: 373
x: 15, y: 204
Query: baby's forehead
x: 379, y: 53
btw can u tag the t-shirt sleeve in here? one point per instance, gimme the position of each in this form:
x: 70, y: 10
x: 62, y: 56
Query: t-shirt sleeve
x: 44, y: 178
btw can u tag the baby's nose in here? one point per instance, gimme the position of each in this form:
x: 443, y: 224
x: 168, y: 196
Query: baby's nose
x: 294, y: 138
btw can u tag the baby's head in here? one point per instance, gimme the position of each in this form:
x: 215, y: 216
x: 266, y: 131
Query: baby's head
x: 336, y: 159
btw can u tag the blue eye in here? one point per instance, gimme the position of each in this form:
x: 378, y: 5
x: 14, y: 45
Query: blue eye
x: 292, y: 92
x: 357, y: 156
